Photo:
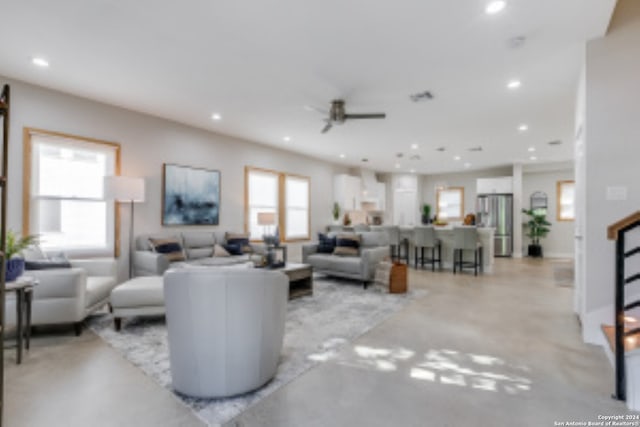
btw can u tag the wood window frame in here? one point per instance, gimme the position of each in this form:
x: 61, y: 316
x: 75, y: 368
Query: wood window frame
x: 559, y: 187
x: 282, y: 206
x: 461, y: 191
x: 27, y: 150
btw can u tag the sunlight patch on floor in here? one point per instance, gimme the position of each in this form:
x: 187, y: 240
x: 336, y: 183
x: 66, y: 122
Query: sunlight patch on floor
x: 447, y: 367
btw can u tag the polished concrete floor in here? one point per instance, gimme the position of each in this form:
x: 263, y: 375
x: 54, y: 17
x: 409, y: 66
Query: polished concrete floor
x: 503, y: 349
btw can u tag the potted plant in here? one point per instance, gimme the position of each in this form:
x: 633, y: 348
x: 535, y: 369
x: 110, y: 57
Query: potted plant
x: 14, y: 260
x: 336, y: 212
x: 426, y: 214
x: 538, y: 229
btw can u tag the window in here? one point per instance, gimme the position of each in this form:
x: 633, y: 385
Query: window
x: 262, y: 196
x: 64, y: 195
x: 297, y: 203
x: 566, y: 193
x: 450, y: 203
x: 285, y: 195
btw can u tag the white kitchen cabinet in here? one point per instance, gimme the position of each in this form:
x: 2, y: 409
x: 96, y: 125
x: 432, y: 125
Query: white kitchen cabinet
x: 347, y: 192
x: 498, y: 185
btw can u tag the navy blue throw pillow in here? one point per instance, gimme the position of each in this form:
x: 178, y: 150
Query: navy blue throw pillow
x: 326, y: 244
x: 46, y: 265
x: 244, y: 244
x: 233, y: 249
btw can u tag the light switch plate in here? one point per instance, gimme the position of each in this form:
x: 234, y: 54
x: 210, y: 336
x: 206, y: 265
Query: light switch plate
x: 616, y: 193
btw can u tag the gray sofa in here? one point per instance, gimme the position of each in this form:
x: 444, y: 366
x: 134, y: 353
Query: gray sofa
x: 374, y: 247
x: 198, y: 249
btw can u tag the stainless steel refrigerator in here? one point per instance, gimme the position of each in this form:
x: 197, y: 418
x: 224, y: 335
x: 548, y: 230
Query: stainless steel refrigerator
x: 496, y: 211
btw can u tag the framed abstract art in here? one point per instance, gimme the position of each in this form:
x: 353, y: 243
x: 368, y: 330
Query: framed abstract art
x: 190, y: 196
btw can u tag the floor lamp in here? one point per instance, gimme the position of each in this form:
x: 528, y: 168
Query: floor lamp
x: 124, y: 189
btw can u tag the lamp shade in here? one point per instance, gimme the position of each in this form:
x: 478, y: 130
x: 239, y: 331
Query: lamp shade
x: 124, y: 188
x: 266, y: 218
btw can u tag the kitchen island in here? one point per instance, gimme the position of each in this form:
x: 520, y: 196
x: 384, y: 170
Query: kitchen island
x: 445, y: 234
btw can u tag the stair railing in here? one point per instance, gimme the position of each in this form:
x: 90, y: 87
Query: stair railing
x: 617, y: 232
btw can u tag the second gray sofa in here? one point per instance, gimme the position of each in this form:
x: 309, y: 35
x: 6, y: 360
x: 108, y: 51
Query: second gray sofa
x: 374, y: 247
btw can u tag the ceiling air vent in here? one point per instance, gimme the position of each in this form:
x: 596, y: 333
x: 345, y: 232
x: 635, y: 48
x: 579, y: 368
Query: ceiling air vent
x: 556, y: 142
x: 415, y: 157
x: 478, y: 148
x: 399, y: 155
x: 421, y: 96
x: 441, y: 149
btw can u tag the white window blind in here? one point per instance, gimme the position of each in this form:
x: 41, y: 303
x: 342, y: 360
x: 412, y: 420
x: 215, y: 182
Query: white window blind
x: 67, y: 209
x: 297, y: 207
x: 262, y: 197
x: 450, y: 203
x: 566, y: 200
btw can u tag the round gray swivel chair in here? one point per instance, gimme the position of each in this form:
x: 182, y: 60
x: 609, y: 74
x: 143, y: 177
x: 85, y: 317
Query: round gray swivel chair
x: 225, y: 327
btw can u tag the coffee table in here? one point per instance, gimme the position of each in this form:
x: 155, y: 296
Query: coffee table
x: 300, y: 279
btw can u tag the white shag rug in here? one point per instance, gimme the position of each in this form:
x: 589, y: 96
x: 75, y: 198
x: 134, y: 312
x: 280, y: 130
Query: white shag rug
x: 317, y: 327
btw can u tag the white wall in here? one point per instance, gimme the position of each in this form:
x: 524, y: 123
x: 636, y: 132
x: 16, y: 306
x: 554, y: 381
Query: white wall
x: 612, y: 149
x: 559, y: 241
x: 462, y: 179
x: 146, y: 143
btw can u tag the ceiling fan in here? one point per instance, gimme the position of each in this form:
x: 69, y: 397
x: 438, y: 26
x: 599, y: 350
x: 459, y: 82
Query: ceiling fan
x: 338, y: 116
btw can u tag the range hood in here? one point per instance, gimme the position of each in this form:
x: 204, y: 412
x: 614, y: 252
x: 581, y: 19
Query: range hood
x: 370, y: 185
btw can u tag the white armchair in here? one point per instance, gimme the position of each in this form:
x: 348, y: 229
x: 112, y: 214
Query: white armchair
x: 69, y: 295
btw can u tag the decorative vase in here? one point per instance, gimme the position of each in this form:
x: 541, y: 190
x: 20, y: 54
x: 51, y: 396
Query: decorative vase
x: 15, y: 268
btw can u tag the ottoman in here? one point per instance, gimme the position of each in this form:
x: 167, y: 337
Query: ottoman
x: 140, y: 296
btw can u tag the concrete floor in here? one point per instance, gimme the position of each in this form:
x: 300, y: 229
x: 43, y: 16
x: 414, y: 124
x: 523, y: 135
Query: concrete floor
x: 503, y: 349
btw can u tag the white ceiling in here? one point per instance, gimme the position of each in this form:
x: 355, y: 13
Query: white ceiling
x: 258, y: 63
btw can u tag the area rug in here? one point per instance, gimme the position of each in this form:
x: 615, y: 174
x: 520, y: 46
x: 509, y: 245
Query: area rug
x: 317, y: 327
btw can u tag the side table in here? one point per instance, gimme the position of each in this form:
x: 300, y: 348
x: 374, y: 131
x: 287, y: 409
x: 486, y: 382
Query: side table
x: 23, y: 287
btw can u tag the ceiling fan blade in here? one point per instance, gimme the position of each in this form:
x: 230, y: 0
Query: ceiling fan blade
x: 316, y: 109
x: 327, y: 127
x: 365, y: 116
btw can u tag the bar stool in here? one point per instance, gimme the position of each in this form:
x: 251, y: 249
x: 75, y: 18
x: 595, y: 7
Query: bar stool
x: 466, y: 239
x: 425, y: 237
x: 396, y: 242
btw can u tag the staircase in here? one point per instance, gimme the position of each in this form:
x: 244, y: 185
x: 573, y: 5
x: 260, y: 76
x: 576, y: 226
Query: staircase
x: 624, y: 335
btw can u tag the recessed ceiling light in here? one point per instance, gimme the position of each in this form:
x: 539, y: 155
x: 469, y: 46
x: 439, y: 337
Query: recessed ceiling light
x: 397, y: 165
x: 342, y: 156
x: 531, y: 149
x: 412, y: 171
x: 467, y: 165
x: 495, y: 7
x: 457, y: 158
x: 414, y: 146
x: 533, y: 158
x: 514, y: 84
x: 523, y: 128
x: 216, y: 116
x: 286, y: 139
x: 40, y: 62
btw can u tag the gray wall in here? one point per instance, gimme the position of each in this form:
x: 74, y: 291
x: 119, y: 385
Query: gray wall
x: 146, y: 143
x: 559, y: 242
x: 612, y: 144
